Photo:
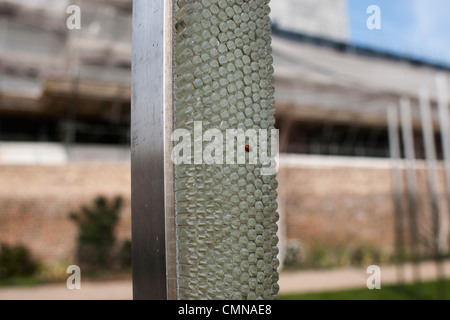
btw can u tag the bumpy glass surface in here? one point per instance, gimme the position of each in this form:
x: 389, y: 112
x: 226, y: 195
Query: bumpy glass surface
x: 226, y: 214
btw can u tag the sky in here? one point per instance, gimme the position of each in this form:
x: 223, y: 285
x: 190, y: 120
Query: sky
x: 418, y: 29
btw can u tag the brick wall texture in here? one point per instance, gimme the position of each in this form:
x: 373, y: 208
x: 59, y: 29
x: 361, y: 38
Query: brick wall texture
x: 35, y: 202
x: 321, y: 205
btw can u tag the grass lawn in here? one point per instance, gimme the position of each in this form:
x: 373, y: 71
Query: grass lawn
x: 425, y: 291
x: 92, y: 277
x: 21, y: 281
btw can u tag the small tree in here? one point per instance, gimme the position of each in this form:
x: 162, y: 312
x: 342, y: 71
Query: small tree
x: 96, y: 236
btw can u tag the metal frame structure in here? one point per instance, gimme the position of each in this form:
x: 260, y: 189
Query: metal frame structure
x: 427, y: 123
x: 202, y: 230
x: 153, y: 217
x: 397, y: 187
x: 431, y: 164
x: 444, y: 122
x: 411, y: 185
x: 433, y: 186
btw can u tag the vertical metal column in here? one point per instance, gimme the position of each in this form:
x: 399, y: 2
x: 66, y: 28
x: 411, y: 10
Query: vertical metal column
x: 411, y: 183
x: 153, y: 226
x: 70, y: 122
x: 397, y: 188
x: 3, y: 42
x: 224, y: 243
x: 444, y: 122
x: 430, y: 153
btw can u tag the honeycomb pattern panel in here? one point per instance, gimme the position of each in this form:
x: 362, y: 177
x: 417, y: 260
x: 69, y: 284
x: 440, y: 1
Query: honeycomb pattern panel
x: 226, y: 212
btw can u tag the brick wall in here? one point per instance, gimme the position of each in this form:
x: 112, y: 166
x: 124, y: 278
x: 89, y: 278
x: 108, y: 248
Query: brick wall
x: 348, y: 202
x: 348, y: 206
x: 35, y: 202
x: 322, y: 203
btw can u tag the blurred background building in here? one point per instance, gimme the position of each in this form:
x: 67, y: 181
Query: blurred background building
x: 65, y: 86
x: 65, y: 125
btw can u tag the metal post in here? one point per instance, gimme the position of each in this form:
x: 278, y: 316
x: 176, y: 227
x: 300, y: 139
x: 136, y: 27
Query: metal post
x: 430, y: 152
x: 153, y: 231
x: 187, y: 62
x: 70, y: 122
x: 444, y: 122
x: 397, y: 188
x: 3, y: 43
x: 411, y: 184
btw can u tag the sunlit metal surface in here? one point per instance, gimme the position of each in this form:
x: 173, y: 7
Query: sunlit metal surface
x: 152, y: 178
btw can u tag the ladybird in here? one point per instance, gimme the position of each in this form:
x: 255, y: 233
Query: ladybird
x: 247, y: 148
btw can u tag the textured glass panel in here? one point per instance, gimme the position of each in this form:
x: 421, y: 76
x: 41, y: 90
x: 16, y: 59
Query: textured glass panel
x: 226, y: 213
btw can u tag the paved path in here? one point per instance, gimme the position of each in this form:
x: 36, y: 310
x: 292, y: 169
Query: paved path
x: 327, y: 280
x: 290, y: 282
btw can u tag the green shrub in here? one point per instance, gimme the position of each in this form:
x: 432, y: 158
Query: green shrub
x: 343, y: 256
x: 367, y: 255
x: 125, y: 254
x: 54, y: 272
x: 16, y: 261
x: 321, y: 256
x: 293, y: 255
x: 96, y: 236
